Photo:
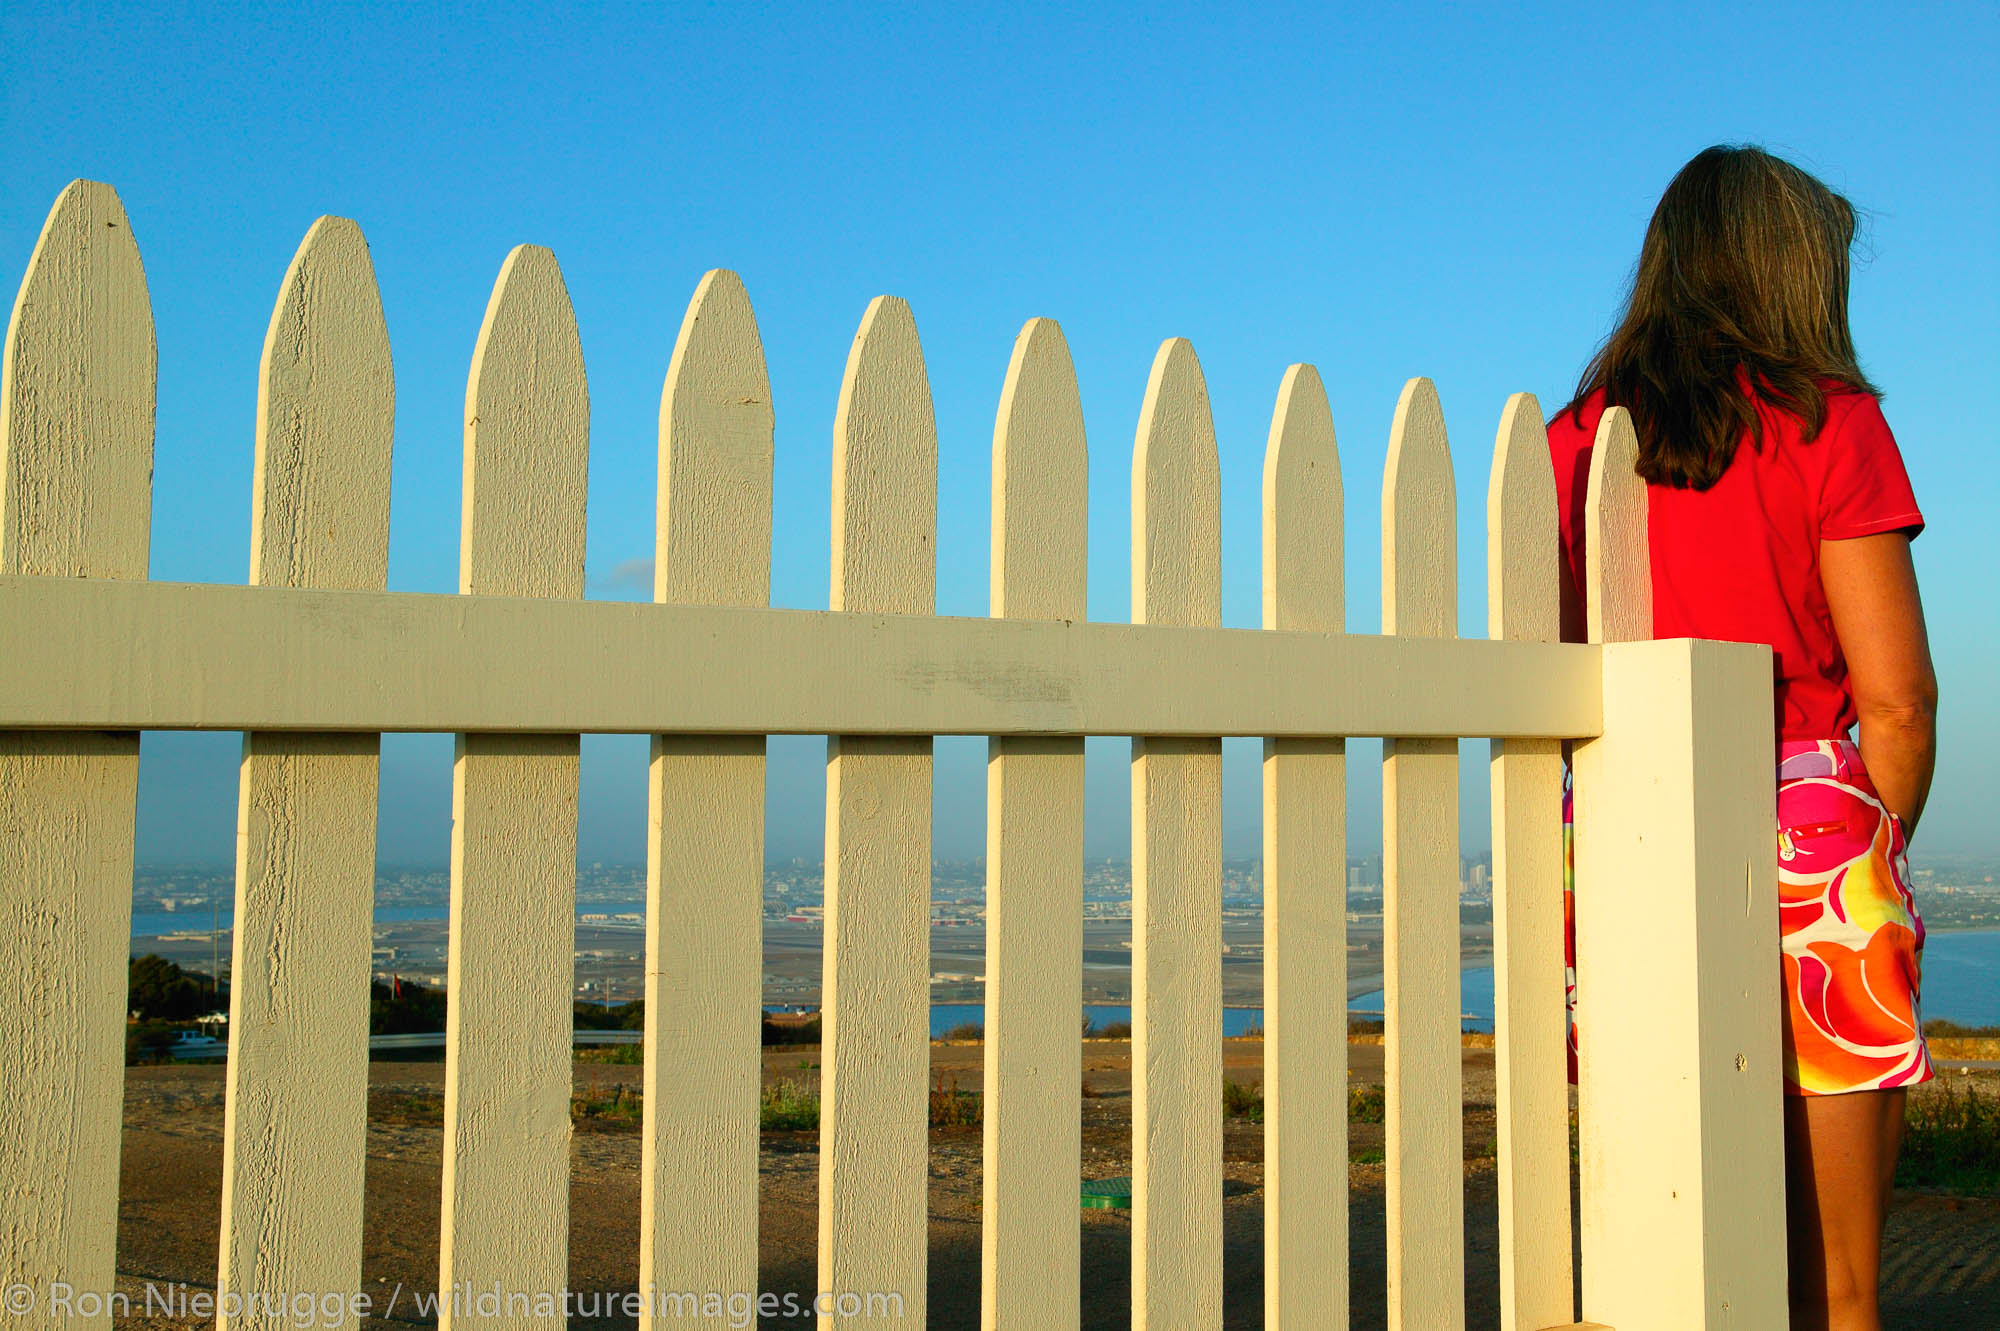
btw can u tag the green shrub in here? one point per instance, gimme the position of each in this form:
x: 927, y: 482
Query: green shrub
x: 1943, y: 1027
x: 158, y: 990
x: 618, y: 1106
x: 1243, y: 1101
x: 623, y: 1017
x: 626, y: 1054
x: 149, y: 1042
x: 966, y: 1030
x: 1246, y: 1101
x: 1951, y: 1139
x: 788, y: 1106
x: 951, y: 1107
x: 404, y: 1007
x: 793, y: 1106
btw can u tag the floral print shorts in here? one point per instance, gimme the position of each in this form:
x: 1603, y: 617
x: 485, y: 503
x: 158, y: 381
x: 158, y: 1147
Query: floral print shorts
x: 1847, y: 922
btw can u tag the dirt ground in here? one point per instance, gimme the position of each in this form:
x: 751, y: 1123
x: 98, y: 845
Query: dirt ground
x: 1942, y: 1267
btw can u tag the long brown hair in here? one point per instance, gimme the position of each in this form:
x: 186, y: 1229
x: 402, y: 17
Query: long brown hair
x: 1741, y: 289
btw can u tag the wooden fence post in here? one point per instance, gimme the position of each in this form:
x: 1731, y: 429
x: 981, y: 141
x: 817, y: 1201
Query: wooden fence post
x: 1681, y: 1142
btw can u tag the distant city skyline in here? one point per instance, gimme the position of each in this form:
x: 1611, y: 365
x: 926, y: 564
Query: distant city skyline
x: 192, y: 820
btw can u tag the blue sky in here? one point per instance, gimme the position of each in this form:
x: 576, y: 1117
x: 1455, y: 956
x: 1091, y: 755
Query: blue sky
x: 1383, y: 191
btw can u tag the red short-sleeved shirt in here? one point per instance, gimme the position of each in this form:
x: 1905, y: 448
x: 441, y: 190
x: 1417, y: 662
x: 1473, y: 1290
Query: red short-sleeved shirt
x: 1739, y: 561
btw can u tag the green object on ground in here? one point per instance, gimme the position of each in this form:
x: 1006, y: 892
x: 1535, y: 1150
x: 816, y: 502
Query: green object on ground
x: 1105, y: 1193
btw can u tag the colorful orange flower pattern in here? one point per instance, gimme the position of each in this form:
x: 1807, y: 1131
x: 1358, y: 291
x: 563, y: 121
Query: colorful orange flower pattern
x: 1852, y: 938
x: 1847, y: 922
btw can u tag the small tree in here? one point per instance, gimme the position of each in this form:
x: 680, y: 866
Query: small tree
x: 158, y: 990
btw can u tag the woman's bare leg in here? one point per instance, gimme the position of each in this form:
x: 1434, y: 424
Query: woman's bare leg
x: 1840, y: 1155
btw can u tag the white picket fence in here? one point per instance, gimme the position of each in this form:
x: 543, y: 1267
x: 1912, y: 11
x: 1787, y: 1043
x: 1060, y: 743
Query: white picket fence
x: 1681, y: 1179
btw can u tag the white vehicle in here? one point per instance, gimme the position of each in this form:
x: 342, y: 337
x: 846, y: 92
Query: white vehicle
x: 193, y: 1044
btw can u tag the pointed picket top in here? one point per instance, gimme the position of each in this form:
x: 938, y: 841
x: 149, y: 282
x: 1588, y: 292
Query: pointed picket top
x: 76, y: 398
x: 716, y: 423
x: 1176, y: 497
x: 326, y: 416
x: 1419, y: 521
x: 1304, y: 575
x: 885, y: 470
x: 1523, y: 587
x: 1618, y: 588
x: 1041, y: 482
x: 527, y: 438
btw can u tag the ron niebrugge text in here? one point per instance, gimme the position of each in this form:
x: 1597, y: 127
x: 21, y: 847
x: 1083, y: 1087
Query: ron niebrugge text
x: 325, y: 1311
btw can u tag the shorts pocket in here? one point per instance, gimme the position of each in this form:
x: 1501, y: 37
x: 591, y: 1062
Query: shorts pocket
x: 1795, y: 838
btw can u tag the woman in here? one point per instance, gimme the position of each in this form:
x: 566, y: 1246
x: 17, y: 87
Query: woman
x: 1779, y: 512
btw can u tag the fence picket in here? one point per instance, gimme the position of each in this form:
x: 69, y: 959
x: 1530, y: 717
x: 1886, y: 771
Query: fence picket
x: 1424, y: 1149
x: 705, y: 843
x: 1531, y: 1079
x: 874, y: 1107
x: 1034, y: 861
x: 76, y: 458
x: 295, y: 1127
x: 514, y: 804
x: 1176, y: 875
x: 1618, y: 588
x: 1305, y: 889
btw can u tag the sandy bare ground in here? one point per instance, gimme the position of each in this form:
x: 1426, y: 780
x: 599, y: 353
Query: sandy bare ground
x: 1943, y: 1264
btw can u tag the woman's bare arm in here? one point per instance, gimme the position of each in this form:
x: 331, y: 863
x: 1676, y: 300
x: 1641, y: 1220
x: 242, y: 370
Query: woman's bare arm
x: 1871, y: 588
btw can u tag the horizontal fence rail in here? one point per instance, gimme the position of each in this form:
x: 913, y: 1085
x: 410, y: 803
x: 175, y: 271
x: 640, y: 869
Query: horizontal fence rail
x: 314, y: 660
x: 198, y: 656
